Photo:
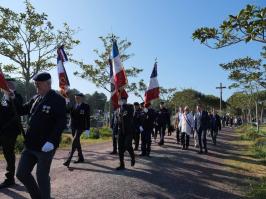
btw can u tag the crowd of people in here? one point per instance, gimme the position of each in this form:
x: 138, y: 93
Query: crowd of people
x: 132, y: 125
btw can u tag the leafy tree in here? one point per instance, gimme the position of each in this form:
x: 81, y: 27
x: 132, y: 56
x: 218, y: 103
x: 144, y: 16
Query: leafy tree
x: 96, y: 101
x: 99, y: 71
x: 248, y: 75
x: 191, y: 98
x: 248, y: 25
x: 29, y: 40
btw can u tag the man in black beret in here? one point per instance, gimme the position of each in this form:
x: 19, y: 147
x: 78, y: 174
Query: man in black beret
x: 163, y: 121
x: 137, y: 124
x: 10, y: 128
x: 80, y: 121
x: 47, y: 120
x: 125, y: 131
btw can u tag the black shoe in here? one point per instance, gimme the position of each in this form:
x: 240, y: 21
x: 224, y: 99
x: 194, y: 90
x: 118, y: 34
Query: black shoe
x: 7, y: 183
x: 200, y: 152
x: 121, y: 167
x: 79, y: 161
x: 142, y: 154
x: 66, y: 163
x: 132, y: 162
x: 148, y: 155
x: 206, y: 152
x: 113, y: 153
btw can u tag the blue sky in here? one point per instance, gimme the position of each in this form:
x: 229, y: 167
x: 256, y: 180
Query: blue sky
x: 156, y: 28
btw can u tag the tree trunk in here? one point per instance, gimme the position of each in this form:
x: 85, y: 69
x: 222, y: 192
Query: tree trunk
x: 257, y: 116
x: 261, y: 112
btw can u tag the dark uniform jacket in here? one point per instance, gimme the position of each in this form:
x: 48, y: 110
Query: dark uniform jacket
x: 137, y: 119
x: 148, y: 120
x: 47, y: 120
x: 10, y: 123
x: 215, y: 122
x: 80, y: 117
x: 125, y: 120
x: 114, y: 123
x: 204, y: 122
x: 163, y: 118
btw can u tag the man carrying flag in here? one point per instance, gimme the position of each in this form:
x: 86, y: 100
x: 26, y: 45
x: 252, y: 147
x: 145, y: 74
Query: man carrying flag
x: 10, y: 126
x: 125, y: 111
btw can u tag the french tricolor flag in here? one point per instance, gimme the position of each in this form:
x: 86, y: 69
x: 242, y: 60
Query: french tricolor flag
x: 120, y: 78
x: 62, y: 75
x: 3, y: 82
x: 115, y: 94
x: 153, y: 90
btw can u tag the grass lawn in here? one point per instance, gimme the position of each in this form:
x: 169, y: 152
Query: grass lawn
x: 254, y: 155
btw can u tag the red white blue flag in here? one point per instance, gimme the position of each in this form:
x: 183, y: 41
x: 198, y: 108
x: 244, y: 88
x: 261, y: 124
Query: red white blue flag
x: 62, y: 75
x: 3, y: 82
x: 120, y: 79
x: 153, y: 90
x: 114, y: 92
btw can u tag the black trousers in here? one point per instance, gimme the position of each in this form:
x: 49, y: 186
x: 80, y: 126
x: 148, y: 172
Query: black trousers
x: 185, y: 140
x: 162, y: 133
x: 136, y: 138
x: 146, y: 142
x: 114, y: 138
x: 178, y: 134
x: 125, y: 144
x: 8, y: 144
x: 214, y: 134
x: 76, y: 133
x: 156, y: 131
x: 29, y: 158
x: 202, y: 137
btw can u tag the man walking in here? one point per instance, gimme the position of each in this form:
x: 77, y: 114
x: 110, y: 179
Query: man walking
x: 47, y: 120
x: 80, y: 121
x: 125, y: 132
x: 148, y: 118
x: 201, y: 125
x: 137, y: 124
x: 10, y: 128
x: 187, y: 127
x: 163, y: 121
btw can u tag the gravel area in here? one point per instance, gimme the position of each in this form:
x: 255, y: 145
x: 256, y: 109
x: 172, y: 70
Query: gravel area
x: 169, y: 173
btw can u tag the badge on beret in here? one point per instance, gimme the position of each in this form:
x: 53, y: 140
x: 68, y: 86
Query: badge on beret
x: 82, y: 112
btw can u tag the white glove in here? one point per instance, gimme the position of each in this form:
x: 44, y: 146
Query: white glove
x: 87, y: 132
x: 141, y: 129
x: 48, y: 146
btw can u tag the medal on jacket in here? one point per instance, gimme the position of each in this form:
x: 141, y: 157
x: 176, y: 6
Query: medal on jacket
x: 46, y: 109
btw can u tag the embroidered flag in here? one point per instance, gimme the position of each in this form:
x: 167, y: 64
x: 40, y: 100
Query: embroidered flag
x: 62, y: 75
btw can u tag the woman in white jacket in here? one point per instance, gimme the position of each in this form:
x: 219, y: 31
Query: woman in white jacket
x: 187, y: 127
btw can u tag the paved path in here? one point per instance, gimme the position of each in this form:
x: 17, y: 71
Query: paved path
x: 169, y: 173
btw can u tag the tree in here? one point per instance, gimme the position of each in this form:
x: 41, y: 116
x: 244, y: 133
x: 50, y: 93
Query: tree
x: 248, y: 25
x: 99, y: 72
x: 96, y: 101
x: 191, y: 98
x: 29, y: 40
x: 248, y: 75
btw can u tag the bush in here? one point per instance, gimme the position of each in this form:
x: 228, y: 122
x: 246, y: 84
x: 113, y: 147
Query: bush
x: 258, y: 190
x: 259, y: 148
x: 96, y: 133
x: 19, y: 144
x: 66, y: 139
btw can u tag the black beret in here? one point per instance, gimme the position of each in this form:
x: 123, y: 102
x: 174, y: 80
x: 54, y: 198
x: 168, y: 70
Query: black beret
x: 162, y: 102
x: 10, y: 79
x: 40, y: 77
x: 142, y: 103
x: 79, y: 94
x: 136, y: 103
